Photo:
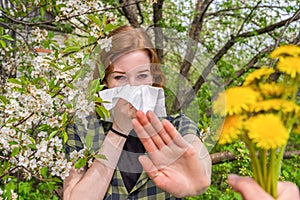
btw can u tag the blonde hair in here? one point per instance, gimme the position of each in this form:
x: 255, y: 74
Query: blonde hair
x: 126, y: 39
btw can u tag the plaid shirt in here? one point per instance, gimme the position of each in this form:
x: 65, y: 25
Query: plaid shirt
x: 144, y: 188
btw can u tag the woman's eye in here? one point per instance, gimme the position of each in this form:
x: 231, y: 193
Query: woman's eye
x: 143, y: 76
x: 120, y: 78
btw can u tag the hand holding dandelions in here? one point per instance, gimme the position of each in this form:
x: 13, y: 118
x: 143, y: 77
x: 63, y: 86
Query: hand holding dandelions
x: 173, y: 164
x: 250, y: 190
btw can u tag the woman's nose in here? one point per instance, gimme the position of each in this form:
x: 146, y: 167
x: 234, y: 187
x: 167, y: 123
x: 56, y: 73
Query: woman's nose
x: 133, y: 81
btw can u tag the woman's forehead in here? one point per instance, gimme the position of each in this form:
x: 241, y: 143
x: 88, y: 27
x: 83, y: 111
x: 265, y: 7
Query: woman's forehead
x: 134, y: 60
x: 132, y: 69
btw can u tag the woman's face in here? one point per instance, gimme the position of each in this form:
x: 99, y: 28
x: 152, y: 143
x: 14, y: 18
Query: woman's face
x: 132, y: 68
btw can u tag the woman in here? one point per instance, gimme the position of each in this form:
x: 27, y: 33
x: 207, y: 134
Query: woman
x: 146, y: 158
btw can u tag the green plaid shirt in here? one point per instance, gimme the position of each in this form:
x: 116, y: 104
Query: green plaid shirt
x: 144, y: 188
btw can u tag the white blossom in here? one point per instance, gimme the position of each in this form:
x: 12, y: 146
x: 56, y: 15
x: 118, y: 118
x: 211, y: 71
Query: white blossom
x: 23, y: 161
x: 40, y: 34
x: 105, y: 44
x: 14, y: 196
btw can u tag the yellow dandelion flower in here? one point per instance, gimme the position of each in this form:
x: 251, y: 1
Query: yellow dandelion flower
x: 286, y: 50
x: 289, y: 65
x: 267, y: 131
x: 230, y: 129
x: 258, y: 74
x: 284, y: 106
x: 272, y: 89
x: 235, y: 101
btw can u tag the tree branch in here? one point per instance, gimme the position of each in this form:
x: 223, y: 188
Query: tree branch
x: 226, y: 156
x: 129, y: 9
x: 194, y: 34
x: 159, y: 42
x: 232, y: 41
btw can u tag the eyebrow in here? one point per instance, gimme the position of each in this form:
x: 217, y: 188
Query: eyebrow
x: 120, y: 72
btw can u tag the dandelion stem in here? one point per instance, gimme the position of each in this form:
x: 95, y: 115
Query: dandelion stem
x: 257, y: 173
x: 263, y: 164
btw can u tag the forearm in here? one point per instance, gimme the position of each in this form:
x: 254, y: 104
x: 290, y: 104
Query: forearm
x: 94, y: 182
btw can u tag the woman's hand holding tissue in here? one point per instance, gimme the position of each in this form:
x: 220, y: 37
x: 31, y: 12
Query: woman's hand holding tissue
x: 122, y: 114
x: 175, y: 165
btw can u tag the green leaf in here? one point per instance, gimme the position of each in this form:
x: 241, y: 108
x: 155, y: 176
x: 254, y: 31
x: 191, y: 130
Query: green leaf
x: 64, y: 118
x: 32, y: 140
x: 3, y: 44
x: 71, y: 49
x: 91, y: 40
x: 43, y: 127
x: 52, y: 83
x: 68, y: 105
x: 32, y: 146
x: 88, y: 141
x: 55, y: 179
x: 104, y: 111
x: 67, y: 68
x: 42, y: 79
x: 65, y: 136
x: 4, y: 100
x: 15, y: 81
x: 53, y: 134
x: 95, y: 19
x: 99, y: 112
x: 7, y: 37
x: 85, y: 58
x: 109, y: 27
x: 24, y: 81
x: 100, y: 156
x: 15, y: 151
x: 93, y: 87
x: 12, y: 142
x: 44, y: 171
x: 81, y: 162
x: 78, y: 74
x: 100, y: 100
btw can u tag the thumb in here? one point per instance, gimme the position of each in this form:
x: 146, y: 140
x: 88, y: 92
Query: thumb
x: 248, y: 188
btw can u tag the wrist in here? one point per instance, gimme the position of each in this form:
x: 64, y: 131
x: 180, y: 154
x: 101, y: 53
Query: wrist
x: 120, y: 130
x: 119, y: 133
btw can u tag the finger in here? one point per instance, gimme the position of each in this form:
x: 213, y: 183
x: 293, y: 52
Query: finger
x: 247, y: 187
x: 144, y: 121
x: 149, y: 167
x: 157, y: 125
x: 143, y: 136
x: 288, y: 190
x: 174, y: 135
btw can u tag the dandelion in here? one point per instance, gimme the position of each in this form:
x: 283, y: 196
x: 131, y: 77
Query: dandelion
x: 267, y: 131
x: 286, y: 50
x: 235, y: 100
x: 272, y: 89
x: 230, y: 129
x: 281, y: 105
x: 258, y: 74
x: 263, y: 113
x: 290, y: 66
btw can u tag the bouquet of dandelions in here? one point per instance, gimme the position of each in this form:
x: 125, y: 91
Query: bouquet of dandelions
x: 263, y: 112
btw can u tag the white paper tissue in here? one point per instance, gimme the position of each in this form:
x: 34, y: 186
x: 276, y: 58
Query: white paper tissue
x: 142, y: 97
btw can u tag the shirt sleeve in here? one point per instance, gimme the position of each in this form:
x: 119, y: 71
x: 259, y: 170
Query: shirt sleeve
x: 77, y: 134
